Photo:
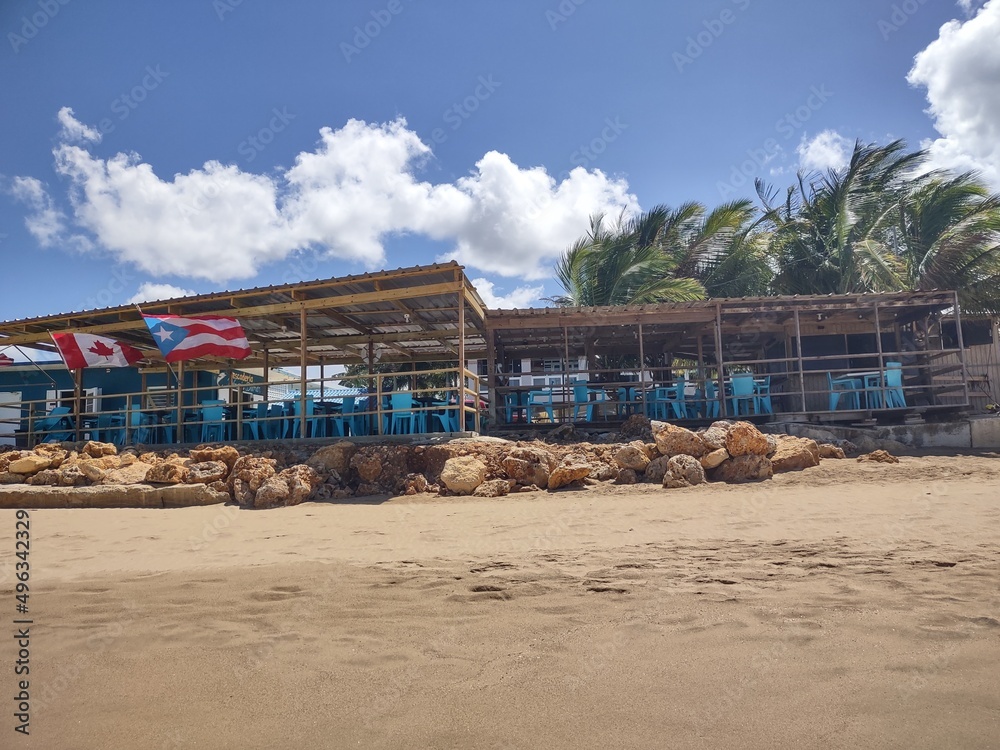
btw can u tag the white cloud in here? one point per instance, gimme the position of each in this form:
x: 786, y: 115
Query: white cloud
x: 961, y: 72
x: 357, y: 187
x: 522, y: 296
x: 827, y: 150
x: 45, y: 222
x: 73, y: 130
x: 151, y: 292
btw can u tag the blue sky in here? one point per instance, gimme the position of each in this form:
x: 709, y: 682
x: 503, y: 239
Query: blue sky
x: 199, y: 145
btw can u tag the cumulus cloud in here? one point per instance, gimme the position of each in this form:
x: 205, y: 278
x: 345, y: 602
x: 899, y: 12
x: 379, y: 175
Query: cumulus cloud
x: 356, y: 187
x: 522, y: 296
x: 961, y: 72
x: 151, y: 292
x: 827, y: 150
x: 45, y: 222
x: 73, y: 130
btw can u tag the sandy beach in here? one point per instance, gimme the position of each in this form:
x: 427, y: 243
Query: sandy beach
x: 850, y: 605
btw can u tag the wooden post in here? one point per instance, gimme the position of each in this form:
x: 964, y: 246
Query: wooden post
x: 374, y: 388
x: 491, y: 374
x: 883, y: 391
x: 642, y: 379
x: 461, y: 361
x: 720, y: 374
x: 180, y: 402
x: 961, y: 353
x: 802, y: 371
x: 567, y: 406
x: 303, y: 363
x: 77, y: 395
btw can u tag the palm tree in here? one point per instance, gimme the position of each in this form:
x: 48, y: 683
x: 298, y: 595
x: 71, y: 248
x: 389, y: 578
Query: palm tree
x: 830, y: 236
x: 949, y: 228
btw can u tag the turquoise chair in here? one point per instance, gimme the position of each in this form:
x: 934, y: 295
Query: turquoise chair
x: 55, y: 424
x: 111, y: 428
x: 447, y: 419
x: 742, y: 395
x: 540, y: 400
x: 514, y: 402
x: 213, y: 424
x: 712, y: 406
x: 167, y: 428
x: 254, y: 427
x: 849, y: 388
x: 586, y: 398
x: 669, y: 401
x: 762, y: 389
x: 315, y: 425
x: 890, y: 383
x: 358, y: 422
x: 402, y: 412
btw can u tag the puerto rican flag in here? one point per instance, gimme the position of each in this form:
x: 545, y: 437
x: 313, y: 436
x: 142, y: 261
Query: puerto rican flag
x: 81, y: 350
x: 182, y: 337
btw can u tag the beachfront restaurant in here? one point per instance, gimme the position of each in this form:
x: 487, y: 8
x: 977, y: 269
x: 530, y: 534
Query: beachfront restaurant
x: 840, y: 358
x: 427, y: 322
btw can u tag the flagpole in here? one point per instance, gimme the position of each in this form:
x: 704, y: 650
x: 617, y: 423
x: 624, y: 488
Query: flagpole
x: 36, y: 364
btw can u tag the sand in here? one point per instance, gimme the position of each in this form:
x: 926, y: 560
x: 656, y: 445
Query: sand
x: 847, y: 606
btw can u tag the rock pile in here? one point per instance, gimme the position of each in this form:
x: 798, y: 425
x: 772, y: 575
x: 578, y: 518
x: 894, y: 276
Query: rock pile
x: 661, y: 453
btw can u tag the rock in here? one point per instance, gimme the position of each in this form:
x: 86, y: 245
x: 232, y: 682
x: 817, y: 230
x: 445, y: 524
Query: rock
x: 29, y: 464
x: 271, y: 494
x: 633, y: 456
x: 715, y: 435
x: 529, y: 466
x: 570, y: 469
x: 493, y: 488
x: 849, y: 448
x: 227, y: 454
x: 133, y: 473
x: 683, y: 471
x: 672, y: 440
x: 336, y: 457
x: 527, y: 488
x: 219, y: 486
x: 103, y: 462
x: 69, y: 476
x: 92, y: 471
x: 366, y: 489
x: 302, y: 482
x: 368, y: 465
x: 772, y: 443
x: 414, y: 484
x: 794, y: 454
x: 627, y: 476
x: 168, y: 473
x: 97, y: 450
x: 713, y: 459
x: 147, y: 458
x: 56, y: 458
x: 826, y: 450
x: 7, y: 477
x: 746, y: 468
x: 636, y: 426
x: 743, y: 439
x: 463, y: 474
x: 657, y: 469
x: 563, y: 432
x: 879, y: 456
x: 9, y: 457
x: 248, y: 475
x: 206, y: 472
x: 603, y: 471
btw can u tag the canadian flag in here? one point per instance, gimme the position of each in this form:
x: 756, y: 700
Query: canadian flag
x: 81, y: 350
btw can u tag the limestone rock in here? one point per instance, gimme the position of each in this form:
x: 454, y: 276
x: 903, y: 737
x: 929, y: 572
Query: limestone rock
x: 92, y: 471
x: 368, y: 466
x: 206, y: 472
x: 683, y: 471
x: 794, y: 454
x: 29, y: 464
x: 713, y: 459
x: 168, y: 473
x: 603, y: 471
x: 414, y: 484
x: 826, y: 450
x: 56, y: 458
x: 743, y: 439
x: 879, y: 456
x: 627, y: 476
x: 96, y: 449
x: 227, y: 454
x: 529, y: 466
x: 7, y: 477
x: 9, y: 457
x: 463, y: 474
x: 147, y: 458
x: 336, y: 457
x: 636, y: 426
x: 746, y: 468
x: 493, y: 488
x: 248, y: 475
x: 672, y: 440
x: 715, y: 435
x: 133, y: 473
x: 302, y: 481
x: 570, y: 469
x: 633, y: 456
x: 657, y: 469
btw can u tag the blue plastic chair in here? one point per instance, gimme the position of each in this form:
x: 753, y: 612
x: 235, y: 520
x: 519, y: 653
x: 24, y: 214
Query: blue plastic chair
x: 742, y: 394
x: 889, y: 383
x: 849, y: 388
x: 57, y: 419
x: 402, y: 411
x: 712, y: 406
x: 253, y: 427
x: 514, y: 403
x: 669, y: 400
x: 762, y: 389
x: 540, y: 399
x: 315, y: 425
x: 587, y: 398
x: 447, y: 419
x: 167, y: 428
x: 213, y: 427
x: 111, y: 428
